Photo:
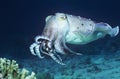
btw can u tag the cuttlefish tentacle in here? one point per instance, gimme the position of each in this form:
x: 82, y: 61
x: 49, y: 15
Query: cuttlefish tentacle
x: 61, y: 47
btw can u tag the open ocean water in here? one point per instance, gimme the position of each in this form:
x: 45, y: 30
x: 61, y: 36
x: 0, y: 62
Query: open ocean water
x: 22, y: 20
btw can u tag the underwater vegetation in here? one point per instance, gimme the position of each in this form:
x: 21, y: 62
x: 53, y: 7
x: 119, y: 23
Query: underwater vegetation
x: 9, y: 69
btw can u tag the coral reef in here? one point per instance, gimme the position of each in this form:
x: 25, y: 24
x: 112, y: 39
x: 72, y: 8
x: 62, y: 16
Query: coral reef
x: 84, y: 67
x: 9, y: 69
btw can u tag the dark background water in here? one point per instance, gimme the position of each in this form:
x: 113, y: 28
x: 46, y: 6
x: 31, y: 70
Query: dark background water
x: 22, y: 20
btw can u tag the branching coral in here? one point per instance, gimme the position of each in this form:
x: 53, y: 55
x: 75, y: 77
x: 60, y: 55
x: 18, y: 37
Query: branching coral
x: 9, y: 69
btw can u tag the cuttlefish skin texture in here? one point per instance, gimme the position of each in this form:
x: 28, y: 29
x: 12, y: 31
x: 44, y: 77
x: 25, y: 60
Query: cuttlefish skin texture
x: 63, y: 28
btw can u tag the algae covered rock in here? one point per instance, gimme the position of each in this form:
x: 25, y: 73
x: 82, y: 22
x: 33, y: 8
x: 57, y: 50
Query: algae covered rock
x: 44, y: 75
x: 9, y: 69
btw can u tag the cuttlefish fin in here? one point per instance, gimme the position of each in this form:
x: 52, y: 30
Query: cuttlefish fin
x: 105, y: 28
x: 114, y: 31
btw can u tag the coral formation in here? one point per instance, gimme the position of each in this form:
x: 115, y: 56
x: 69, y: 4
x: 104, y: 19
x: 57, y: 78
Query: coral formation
x: 9, y: 69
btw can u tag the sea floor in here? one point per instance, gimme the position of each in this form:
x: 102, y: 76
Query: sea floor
x: 78, y: 67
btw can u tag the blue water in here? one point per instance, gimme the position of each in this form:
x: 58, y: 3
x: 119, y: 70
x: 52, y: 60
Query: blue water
x: 21, y: 21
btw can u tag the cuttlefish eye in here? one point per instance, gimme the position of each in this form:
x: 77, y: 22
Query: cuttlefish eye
x: 63, y: 17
